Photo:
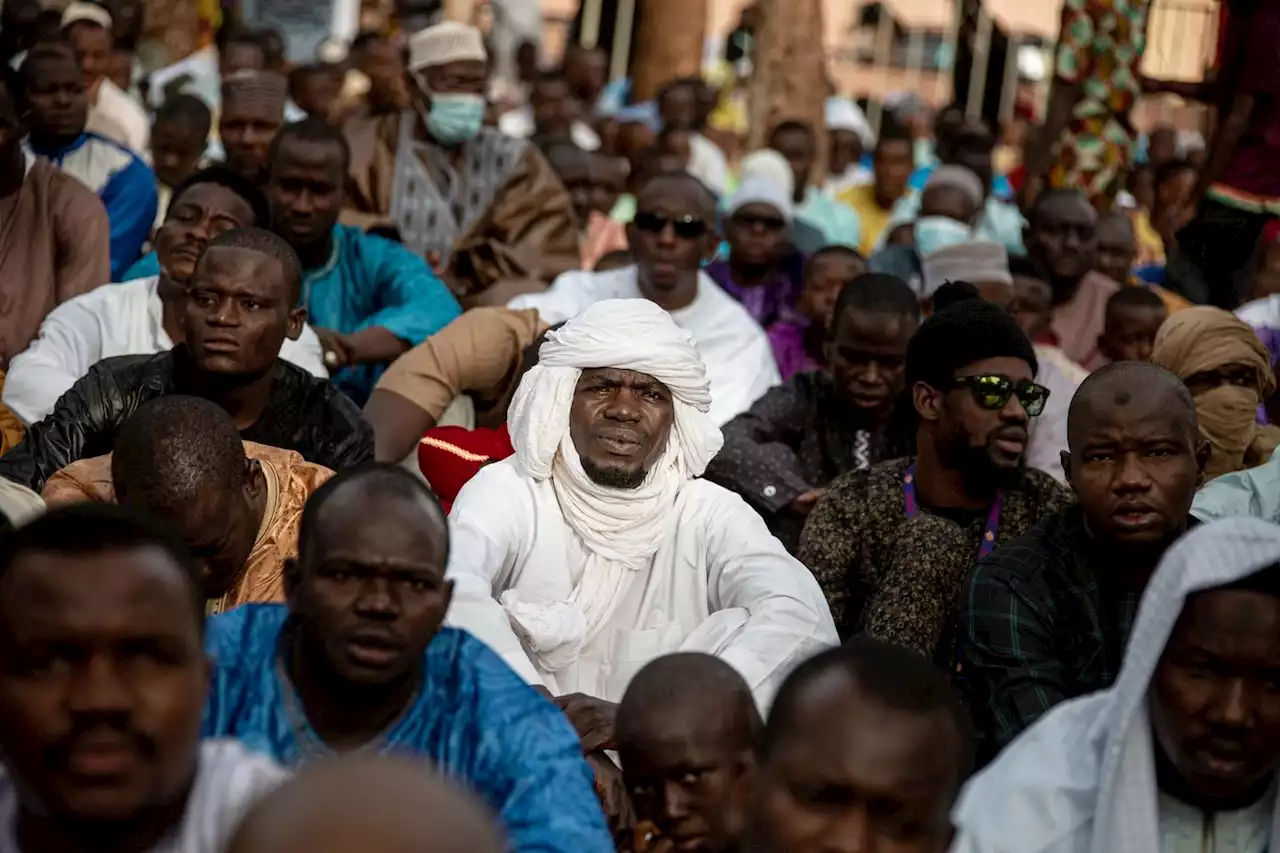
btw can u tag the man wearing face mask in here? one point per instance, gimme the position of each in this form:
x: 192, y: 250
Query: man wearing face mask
x: 948, y: 205
x: 480, y: 206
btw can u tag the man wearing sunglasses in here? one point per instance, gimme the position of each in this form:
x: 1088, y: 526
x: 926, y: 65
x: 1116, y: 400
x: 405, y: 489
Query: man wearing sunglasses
x: 1046, y: 618
x: 672, y: 234
x: 891, y: 545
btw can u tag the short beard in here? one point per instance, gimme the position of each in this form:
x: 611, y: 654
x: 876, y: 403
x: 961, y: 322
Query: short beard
x: 613, y: 478
x: 982, y: 476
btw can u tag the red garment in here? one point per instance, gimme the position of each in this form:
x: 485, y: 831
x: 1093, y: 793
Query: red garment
x: 1252, y: 177
x: 450, y: 456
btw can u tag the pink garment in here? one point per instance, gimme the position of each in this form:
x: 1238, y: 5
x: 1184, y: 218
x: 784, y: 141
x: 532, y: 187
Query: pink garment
x: 604, y: 235
x: 1078, y: 322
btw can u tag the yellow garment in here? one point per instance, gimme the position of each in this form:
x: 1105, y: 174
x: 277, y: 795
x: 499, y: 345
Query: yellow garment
x: 872, y: 216
x: 12, y: 429
x: 290, y: 481
x: 1150, y: 245
x: 1202, y: 339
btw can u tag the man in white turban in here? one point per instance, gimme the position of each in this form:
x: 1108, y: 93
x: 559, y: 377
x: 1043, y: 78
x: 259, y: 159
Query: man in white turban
x: 596, y: 548
x: 481, y: 207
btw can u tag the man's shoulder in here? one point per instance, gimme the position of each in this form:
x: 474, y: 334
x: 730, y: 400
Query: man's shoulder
x: 245, y: 636
x: 128, y: 370
x: 1042, y: 493
x: 879, y: 478
x: 1027, y: 559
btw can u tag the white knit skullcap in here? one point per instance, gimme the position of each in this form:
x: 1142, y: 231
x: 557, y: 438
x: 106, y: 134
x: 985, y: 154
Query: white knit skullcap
x: 447, y: 42
x: 758, y: 189
x: 844, y: 114
x: 769, y: 164
x: 91, y: 12
x: 972, y: 262
x: 957, y: 178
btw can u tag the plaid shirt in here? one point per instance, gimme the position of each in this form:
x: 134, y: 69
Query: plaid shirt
x: 1038, y: 629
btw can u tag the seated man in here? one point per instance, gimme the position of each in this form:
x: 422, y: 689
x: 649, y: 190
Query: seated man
x: 687, y: 731
x: 359, y: 661
x: 596, y: 549
x: 866, y: 748
x: 103, y: 682
x: 479, y: 205
x: 126, y: 185
x: 144, y: 316
x: 239, y: 310
x: 371, y: 299
x: 479, y: 355
x: 838, y: 222
x: 1133, y: 316
x: 54, y: 229
x: 89, y: 29
x: 1046, y: 617
x: 891, y: 545
x: 673, y: 232
x: 368, y: 803
x: 781, y: 453
x: 1187, y: 742
x: 237, y: 504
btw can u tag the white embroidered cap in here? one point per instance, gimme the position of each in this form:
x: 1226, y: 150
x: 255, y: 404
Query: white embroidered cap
x: 446, y: 42
x: 80, y: 11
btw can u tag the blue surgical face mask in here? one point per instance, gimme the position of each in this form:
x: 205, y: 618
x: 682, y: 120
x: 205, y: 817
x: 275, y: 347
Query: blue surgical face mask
x: 455, y: 117
x: 940, y: 232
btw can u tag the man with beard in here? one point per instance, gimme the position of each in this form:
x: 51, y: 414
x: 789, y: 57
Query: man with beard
x: 143, y: 316
x: 241, y: 305
x: 596, y: 548
x: 1062, y: 239
x: 1046, y: 618
x: 891, y: 545
x: 781, y: 453
x: 102, y: 682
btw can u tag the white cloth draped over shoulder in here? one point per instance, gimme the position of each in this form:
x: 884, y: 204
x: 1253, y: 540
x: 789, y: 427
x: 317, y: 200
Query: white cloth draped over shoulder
x: 1082, y: 779
x: 578, y: 585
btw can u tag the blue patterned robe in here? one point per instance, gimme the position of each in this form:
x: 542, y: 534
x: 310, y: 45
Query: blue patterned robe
x: 474, y: 719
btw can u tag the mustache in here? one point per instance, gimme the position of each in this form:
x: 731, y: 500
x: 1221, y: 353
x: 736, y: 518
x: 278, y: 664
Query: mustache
x: 59, y: 752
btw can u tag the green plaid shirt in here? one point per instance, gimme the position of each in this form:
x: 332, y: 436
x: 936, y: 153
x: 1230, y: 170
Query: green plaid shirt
x: 1038, y: 629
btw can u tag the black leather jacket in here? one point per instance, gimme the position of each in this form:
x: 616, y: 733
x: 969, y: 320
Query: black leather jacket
x: 305, y: 414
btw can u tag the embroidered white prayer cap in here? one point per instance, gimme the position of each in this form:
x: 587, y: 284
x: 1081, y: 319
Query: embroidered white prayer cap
x: 761, y: 190
x: 769, y: 164
x: 80, y: 11
x: 447, y: 42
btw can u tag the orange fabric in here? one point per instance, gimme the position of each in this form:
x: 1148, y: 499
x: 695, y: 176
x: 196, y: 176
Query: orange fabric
x: 12, y: 429
x: 295, y: 480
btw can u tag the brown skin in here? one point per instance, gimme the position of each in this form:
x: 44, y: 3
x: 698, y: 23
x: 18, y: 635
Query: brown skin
x: 608, y: 181
x: 875, y: 779
x: 241, y: 56
x: 678, y: 107
x: 316, y: 92
x: 1266, y: 277
x: 669, y: 264
x: 1063, y: 239
x: 465, y: 76
x: 92, y: 45
x: 1117, y: 247
x: 246, y: 130
x: 120, y: 69
x: 1240, y: 375
x: 892, y: 165
x: 758, y: 238
x: 57, y: 100
x: 1214, y: 708
x: 867, y: 358
x: 219, y: 528
x: 176, y: 149
x: 1134, y: 464
x: 963, y: 447
x: 103, y: 679
x: 306, y: 191
x: 800, y: 149
x: 1130, y: 332
x: 587, y: 72
x: 194, y: 218
x: 554, y: 107
x: 844, y: 149
x: 573, y: 166
x: 825, y: 278
x: 368, y: 599
x: 12, y: 164
x: 383, y: 64
x: 619, y: 423
x: 1032, y: 306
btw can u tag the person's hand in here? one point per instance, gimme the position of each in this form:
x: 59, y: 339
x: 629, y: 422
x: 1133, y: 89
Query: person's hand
x: 337, y: 350
x: 804, y: 504
x: 592, y: 718
x: 612, y: 792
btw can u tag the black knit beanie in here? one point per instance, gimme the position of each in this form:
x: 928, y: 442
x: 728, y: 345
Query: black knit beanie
x: 957, y: 336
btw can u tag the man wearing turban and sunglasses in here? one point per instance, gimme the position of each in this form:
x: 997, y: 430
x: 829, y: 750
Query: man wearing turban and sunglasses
x: 890, y: 545
x: 672, y: 234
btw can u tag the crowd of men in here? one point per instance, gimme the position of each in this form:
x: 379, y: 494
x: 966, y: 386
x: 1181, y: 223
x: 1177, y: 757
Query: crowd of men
x: 396, y: 461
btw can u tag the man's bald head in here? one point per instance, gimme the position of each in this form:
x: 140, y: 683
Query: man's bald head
x: 686, y: 734
x: 366, y: 804
x: 1135, y: 456
x: 680, y: 185
x: 1123, y: 389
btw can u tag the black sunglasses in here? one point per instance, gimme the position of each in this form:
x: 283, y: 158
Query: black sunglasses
x: 751, y: 220
x: 992, y: 392
x: 686, y: 227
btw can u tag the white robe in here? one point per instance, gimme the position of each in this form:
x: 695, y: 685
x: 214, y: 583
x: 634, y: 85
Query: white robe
x: 111, y: 320
x: 736, y: 351
x: 722, y: 584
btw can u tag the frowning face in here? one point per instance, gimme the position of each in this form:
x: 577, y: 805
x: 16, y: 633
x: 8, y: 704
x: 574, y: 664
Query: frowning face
x: 619, y: 422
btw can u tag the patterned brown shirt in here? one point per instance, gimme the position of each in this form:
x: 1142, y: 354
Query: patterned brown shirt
x: 899, y: 579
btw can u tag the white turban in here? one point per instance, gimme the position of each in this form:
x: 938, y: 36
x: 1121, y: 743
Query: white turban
x: 621, y: 528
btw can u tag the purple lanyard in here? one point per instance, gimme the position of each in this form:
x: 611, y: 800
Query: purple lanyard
x: 993, y: 517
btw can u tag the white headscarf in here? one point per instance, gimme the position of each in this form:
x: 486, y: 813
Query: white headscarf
x: 620, y: 528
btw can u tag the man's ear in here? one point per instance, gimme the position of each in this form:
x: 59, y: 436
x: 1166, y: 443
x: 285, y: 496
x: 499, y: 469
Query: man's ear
x: 927, y: 400
x: 1064, y: 458
x: 297, y: 319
